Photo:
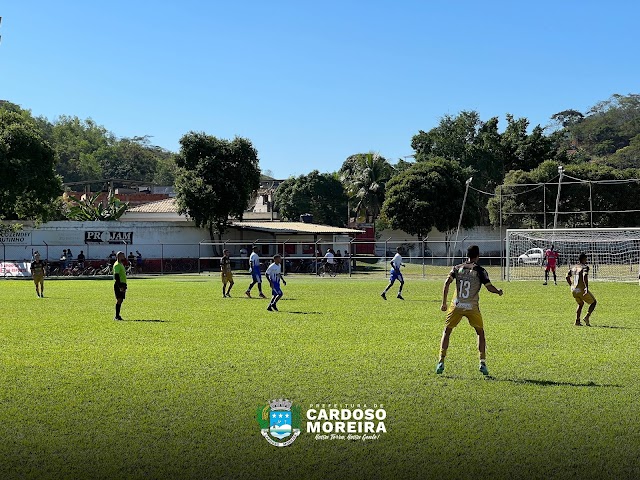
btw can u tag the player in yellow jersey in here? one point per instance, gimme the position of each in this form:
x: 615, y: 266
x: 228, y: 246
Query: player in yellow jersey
x: 578, y: 280
x: 225, y: 273
x: 120, y: 285
x: 37, y: 273
x: 469, y: 278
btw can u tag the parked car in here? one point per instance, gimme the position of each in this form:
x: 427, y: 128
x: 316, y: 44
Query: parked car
x: 533, y: 256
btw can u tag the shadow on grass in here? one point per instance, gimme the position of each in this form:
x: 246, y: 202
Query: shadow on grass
x: 542, y: 383
x: 305, y: 313
x: 615, y: 326
x: 149, y: 320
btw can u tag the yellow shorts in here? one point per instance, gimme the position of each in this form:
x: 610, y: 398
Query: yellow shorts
x: 38, y: 278
x: 454, y: 315
x: 582, y: 299
x: 226, y: 277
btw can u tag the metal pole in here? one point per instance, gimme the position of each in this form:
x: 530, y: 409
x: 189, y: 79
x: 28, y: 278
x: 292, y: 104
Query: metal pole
x: 385, y: 255
x: 555, y: 216
x: 350, y: 255
x: 162, y: 259
x: 590, y: 206
x: 423, y: 265
x: 502, y: 251
x: 316, y: 254
x: 464, y: 200
x: 544, y: 205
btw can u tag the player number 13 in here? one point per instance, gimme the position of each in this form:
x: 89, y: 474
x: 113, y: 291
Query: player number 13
x: 465, y: 286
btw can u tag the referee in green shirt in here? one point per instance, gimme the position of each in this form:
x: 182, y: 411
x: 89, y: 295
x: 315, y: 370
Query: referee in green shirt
x: 120, y: 285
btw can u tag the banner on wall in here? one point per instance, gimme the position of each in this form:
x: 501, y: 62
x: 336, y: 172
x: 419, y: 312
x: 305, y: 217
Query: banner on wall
x: 105, y: 236
x: 16, y: 238
x: 15, y: 269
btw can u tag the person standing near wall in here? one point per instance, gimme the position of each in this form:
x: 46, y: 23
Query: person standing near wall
x: 37, y: 273
x: 225, y: 273
x: 120, y: 282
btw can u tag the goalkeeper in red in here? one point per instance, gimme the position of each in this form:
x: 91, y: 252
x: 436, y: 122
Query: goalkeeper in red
x: 469, y: 278
x: 551, y: 259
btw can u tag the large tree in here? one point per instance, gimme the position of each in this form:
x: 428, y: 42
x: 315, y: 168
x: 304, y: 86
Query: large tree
x: 429, y: 194
x: 320, y: 194
x: 215, y: 179
x: 28, y: 182
x: 480, y: 146
x: 364, y: 176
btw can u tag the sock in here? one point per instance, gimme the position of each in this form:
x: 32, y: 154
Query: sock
x: 443, y: 353
x: 118, y: 305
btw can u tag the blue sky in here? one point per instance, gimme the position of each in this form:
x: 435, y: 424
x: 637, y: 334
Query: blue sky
x: 310, y: 83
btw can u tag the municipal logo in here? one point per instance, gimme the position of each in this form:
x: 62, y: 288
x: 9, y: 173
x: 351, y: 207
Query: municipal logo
x: 279, y: 422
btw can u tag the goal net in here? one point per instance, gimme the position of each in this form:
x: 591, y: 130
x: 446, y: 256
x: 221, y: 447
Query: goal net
x: 613, y: 253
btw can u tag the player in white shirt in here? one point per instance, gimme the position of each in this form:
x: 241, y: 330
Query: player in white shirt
x: 274, y: 275
x: 256, y: 276
x: 329, y: 259
x: 396, y: 263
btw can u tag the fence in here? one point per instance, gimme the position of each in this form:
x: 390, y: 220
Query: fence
x: 156, y: 258
x: 422, y: 258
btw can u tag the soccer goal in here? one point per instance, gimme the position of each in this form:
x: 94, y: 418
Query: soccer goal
x: 613, y: 253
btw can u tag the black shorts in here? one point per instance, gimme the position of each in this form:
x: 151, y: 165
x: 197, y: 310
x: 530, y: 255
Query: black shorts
x: 120, y: 293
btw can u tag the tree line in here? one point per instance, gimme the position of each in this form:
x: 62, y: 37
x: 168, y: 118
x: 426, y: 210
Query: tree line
x: 214, y: 178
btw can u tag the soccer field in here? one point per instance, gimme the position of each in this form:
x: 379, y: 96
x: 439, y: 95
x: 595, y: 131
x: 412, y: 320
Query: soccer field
x: 172, y: 392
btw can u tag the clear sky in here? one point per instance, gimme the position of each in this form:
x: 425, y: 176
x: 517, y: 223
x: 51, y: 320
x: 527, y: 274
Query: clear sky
x: 310, y: 83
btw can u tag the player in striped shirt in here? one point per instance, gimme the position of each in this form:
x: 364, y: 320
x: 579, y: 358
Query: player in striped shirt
x: 256, y: 275
x: 396, y: 263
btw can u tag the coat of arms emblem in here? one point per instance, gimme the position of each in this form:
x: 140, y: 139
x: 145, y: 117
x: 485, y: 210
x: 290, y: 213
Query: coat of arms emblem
x: 279, y: 422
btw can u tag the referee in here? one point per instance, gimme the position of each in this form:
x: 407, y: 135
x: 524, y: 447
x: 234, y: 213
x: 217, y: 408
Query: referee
x: 120, y: 285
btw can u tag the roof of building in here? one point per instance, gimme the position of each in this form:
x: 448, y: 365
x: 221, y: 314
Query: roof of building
x: 294, y: 227
x: 168, y: 205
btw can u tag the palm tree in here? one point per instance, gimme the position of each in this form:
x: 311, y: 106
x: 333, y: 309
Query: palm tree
x: 365, y: 176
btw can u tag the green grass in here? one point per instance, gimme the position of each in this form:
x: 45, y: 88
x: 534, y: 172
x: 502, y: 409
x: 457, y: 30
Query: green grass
x: 172, y: 392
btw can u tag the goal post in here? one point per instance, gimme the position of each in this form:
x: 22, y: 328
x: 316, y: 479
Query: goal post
x: 613, y: 253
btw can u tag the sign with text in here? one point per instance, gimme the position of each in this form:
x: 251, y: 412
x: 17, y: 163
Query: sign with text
x: 105, y: 236
x: 16, y: 238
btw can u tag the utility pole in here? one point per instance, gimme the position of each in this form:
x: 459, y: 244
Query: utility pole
x: 464, y: 200
x: 555, y: 216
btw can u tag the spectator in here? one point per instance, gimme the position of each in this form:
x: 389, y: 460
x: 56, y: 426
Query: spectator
x: 81, y: 259
x: 131, y: 258
x: 112, y: 257
x: 139, y: 261
x: 63, y: 259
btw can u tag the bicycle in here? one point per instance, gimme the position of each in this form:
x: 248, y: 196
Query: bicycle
x: 327, y: 268
x: 105, y: 270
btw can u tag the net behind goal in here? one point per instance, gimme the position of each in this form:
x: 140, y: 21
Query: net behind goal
x: 613, y: 253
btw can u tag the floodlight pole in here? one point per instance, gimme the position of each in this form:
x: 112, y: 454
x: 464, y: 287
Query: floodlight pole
x: 464, y: 200
x: 555, y: 216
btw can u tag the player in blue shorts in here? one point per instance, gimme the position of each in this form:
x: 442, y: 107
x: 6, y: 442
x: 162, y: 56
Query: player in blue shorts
x: 274, y: 275
x: 256, y: 276
x: 396, y: 263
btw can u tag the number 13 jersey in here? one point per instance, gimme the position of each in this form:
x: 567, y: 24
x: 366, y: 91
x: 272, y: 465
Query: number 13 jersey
x: 469, y: 279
